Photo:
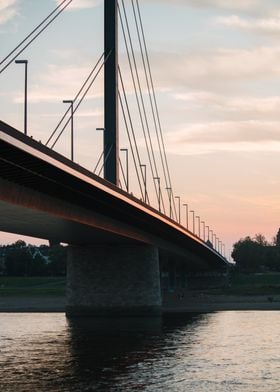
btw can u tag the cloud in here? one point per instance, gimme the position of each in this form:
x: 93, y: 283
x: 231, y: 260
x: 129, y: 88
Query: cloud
x: 246, y: 6
x: 8, y: 10
x: 224, y: 4
x: 234, y: 136
x: 59, y: 83
x: 258, y: 25
x: 243, y: 104
x: 81, y: 4
x: 216, y: 68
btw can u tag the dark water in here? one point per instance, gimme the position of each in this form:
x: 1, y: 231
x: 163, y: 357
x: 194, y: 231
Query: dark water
x: 223, y: 351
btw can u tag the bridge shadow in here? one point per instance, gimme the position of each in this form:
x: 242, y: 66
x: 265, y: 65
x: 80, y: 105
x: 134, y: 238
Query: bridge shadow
x: 109, y: 352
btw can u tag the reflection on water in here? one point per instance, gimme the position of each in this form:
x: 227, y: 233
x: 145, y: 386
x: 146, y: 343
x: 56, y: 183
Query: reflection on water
x: 223, y: 351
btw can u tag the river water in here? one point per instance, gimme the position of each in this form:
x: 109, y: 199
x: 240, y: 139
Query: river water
x: 222, y: 351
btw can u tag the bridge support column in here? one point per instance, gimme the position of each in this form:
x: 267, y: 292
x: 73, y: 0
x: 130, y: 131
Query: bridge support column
x: 113, y: 280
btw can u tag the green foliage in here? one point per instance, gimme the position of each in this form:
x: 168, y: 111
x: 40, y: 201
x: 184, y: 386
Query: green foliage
x: 32, y: 286
x: 252, y: 255
x: 57, y: 264
x: 18, y: 262
x: 20, y: 259
x: 277, y: 240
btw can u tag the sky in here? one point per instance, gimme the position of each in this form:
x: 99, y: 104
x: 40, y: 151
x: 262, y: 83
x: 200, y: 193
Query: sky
x: 216, y: 72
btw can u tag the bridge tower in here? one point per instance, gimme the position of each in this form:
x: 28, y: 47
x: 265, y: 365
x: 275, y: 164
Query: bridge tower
x: 111, y: 131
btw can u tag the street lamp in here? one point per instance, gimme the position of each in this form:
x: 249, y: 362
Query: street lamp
x: 207, y: 227
x: 71, y: 102
x: 203, y: 223
x: 198, y: 218
x: 219, y: 246
x: 159, y: 191
x: 211, y: 231
x: 179, y: 207
x: 145, y: 180
x: 193, y: 220
x: 25, y: 62
x: 169, y: 190
x: 187, y: 215
x: 127, y: 179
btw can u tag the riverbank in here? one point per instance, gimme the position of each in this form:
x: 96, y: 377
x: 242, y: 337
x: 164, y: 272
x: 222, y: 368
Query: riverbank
x: 31, y: 304
x: 193, y: 303
x: 47, y: 294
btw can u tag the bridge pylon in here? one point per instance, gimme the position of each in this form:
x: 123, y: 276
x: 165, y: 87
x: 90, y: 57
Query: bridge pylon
x: 111, y: 120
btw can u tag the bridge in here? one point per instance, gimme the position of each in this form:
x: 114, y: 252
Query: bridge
x: 121, y: 247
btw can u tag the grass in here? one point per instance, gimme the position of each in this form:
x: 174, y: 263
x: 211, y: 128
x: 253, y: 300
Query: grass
x: 240, y: 284
x: 32, y: 286
x: 254, y: 284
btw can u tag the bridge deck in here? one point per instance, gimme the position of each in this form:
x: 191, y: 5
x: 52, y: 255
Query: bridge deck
x: 52, y: 186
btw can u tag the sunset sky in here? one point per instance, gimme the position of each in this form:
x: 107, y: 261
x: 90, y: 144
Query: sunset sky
x: 216, y: 69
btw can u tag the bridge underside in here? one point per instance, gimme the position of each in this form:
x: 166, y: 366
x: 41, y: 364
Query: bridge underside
x: 116, y: 241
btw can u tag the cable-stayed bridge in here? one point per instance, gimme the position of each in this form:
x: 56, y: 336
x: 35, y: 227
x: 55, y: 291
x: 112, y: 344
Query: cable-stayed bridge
x: 121, y: 219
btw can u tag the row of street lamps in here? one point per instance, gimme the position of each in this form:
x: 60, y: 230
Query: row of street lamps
x: 210, y: 236
x: 215, y: 241
x: 71, y: 102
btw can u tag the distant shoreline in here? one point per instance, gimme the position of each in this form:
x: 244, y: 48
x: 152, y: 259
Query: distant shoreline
x: 199, y: 303
x: 30, y: 304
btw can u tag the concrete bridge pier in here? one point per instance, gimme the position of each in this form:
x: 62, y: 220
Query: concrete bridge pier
x: 113, y: 280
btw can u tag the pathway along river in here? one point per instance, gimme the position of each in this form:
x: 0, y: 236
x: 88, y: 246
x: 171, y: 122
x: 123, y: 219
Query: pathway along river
x: 222, y: 351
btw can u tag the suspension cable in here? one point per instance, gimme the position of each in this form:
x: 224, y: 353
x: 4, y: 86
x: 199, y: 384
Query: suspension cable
x: 32, y: 32
x: 105, y: 160
x: 151, y: 104
x: 39, y: 33
x: 132, y: 129
x: 155, y: 100
x: 149, y: 147
x: 76, y: 97
x: 131, y: 147
x: 122, y: 171
x: 98, y: 162
x: 82, y: 98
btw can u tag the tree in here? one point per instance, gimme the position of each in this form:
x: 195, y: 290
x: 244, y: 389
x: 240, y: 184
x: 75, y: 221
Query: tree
x: 248, y: 254
x: 277, y: 240
x: 38, y: 266
x: 261, y: 240
x: 18, y: 261
x: 57, y: 260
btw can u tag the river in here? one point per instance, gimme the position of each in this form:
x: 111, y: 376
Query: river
x: 222, y: 351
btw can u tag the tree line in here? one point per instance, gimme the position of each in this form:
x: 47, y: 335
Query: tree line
x: 20, y: 259
x: 257, y: 254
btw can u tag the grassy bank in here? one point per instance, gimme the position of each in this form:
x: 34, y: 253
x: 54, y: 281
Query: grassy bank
x: 239, y: 284
x: 253, y: 284
x: 32, y: 286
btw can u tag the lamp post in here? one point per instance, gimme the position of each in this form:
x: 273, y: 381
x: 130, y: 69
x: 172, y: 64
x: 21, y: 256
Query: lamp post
x: 207, y: 227
x: 169, y: 191
x: 220, y: 246
x: 217, y: 243
x: 179, y: 207
x: 158, y: 180
x: 25, y: 62
x: 198, y: 219
x: 71, y: 102
x: 193, y: 220
x: 211, y: 231
x: 214, y: 241
x: 203, y: 223
x: 145, y: 180
x: 187, y: 215
x: 127, y: 179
